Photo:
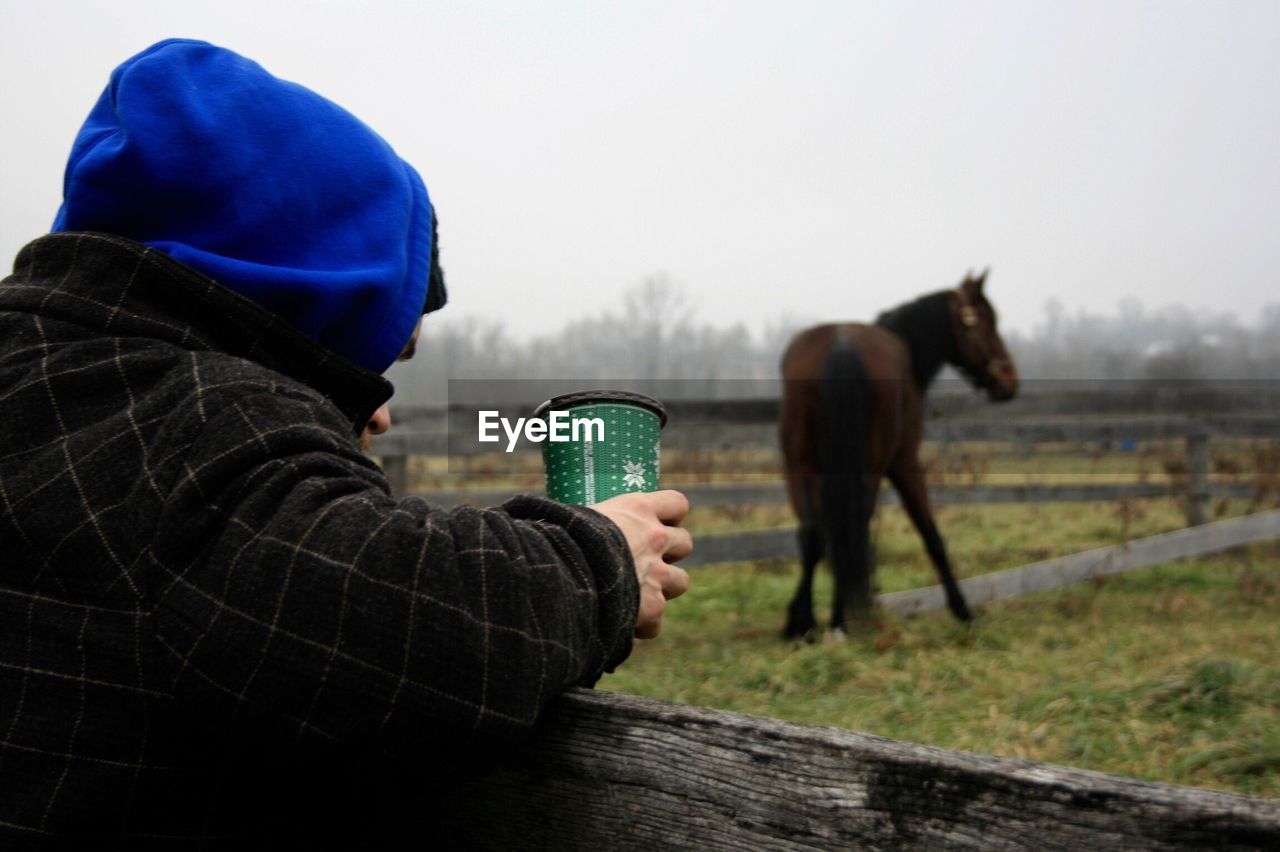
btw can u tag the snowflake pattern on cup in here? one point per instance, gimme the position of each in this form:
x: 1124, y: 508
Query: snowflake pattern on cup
x: 633, y: 475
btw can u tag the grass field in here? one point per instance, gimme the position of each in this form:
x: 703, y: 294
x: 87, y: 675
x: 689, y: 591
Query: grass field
x: 1168, y: 674
x: 1254, y: 461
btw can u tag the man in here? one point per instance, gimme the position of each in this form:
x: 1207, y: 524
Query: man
x: 217, y: 627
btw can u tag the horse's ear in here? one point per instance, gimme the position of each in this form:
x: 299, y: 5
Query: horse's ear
x: 982, y: 279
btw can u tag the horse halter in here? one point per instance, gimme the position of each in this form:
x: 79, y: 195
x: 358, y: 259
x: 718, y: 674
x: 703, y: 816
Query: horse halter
x: 976, y: 357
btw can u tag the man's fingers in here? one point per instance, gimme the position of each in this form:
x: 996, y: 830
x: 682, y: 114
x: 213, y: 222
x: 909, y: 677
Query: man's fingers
x: 670, y: 506
x: 676, y: 583
x: 679, y: 544
x: 661, y: 583
x: 649, y: 630
x: 651, y: 524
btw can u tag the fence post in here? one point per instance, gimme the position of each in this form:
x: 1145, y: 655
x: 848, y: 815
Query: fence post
x: 397, y: 470
x: 1198, y: 483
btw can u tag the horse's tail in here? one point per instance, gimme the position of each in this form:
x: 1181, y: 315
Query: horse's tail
x: 846, y: 497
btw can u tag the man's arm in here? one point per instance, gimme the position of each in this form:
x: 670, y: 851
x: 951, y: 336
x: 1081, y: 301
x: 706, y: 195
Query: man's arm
x: 290, y: 586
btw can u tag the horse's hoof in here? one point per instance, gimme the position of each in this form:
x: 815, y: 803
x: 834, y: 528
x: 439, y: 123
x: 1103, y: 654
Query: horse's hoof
x: 835, y: 636
x: 961, y: 611
x: 799, y: 629
x: 797, y: 632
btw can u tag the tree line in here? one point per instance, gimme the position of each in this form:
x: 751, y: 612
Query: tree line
x: 655, y: 334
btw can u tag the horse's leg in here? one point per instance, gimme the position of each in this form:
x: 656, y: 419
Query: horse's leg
x: 800, y: 621
x: 909, y: 483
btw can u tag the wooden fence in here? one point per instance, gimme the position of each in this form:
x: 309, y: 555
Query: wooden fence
x: 1196, y: 488
x: 609, y: 771
x: 1081, y: 413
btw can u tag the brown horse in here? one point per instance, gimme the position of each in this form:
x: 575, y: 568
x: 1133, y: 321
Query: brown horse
x: 853, y: 412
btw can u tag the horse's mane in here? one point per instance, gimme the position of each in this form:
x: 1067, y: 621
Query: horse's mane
x: 925, y: 326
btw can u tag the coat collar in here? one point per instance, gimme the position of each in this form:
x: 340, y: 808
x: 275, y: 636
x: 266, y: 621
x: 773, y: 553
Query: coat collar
x: 123, y: 288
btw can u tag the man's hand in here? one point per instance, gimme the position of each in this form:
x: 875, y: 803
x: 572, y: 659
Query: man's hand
x: 651, y: 524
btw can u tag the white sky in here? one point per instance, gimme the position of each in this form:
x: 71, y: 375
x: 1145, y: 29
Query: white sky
x: 822, y: 159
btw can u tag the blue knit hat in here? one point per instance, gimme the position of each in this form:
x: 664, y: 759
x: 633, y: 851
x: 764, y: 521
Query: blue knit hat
x: 263, y: 185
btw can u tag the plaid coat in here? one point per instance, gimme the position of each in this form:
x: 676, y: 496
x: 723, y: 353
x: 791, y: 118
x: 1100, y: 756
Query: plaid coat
x: 216, y: 625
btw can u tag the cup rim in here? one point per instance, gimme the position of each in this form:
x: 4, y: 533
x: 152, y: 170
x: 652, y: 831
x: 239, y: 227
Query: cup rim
x: 567, y: 400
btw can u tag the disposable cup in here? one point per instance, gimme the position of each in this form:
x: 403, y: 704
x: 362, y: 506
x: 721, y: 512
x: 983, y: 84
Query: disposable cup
x: 614, y: 445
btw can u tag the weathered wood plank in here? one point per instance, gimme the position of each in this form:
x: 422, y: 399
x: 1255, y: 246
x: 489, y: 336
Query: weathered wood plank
x: 396, y: 469
x: 775, y: 543
x: 960, y: 494
x: 768, y: 492
x: 1084, y: 429
x: 1198, y: 460
x: 610, y: 771
x: 780, y: 542
x: 1052, y: 573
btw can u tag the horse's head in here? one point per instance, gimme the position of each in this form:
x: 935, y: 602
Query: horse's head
x: 980, y: 351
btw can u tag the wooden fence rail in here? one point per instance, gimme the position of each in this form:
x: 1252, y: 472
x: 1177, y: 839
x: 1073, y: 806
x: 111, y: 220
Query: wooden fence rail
x: 610, y: 771
x: 769, y: 491
x: 780, y: 542
x: 709, y: 434
x: 1099, y: 562
x: 1196, y: 488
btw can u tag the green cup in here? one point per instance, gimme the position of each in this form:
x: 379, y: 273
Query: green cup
x: 613, y: 446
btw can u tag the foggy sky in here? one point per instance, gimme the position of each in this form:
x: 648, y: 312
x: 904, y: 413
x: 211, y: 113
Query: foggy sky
x: 820, y: 159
